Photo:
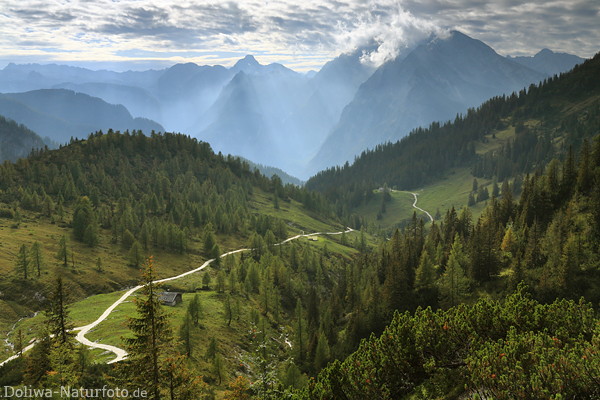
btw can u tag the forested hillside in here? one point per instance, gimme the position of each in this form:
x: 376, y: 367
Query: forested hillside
x: 517, y: 348
x: 16, y: 140
x: 93, y: 210
x: 540, y: 123
x: 106, y: 202
x: 259, y: 324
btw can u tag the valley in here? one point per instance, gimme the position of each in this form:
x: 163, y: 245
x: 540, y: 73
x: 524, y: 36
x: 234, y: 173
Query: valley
x: 416, y: 218
x: 270, y: 114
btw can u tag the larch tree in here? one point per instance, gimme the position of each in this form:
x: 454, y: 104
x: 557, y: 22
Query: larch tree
x: 22, y: 266
x: 36, y: 257
x: 63, y: 252
x: 454, y: 284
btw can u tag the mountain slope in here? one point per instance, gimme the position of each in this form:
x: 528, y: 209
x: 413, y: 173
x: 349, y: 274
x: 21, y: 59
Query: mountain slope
x: 503, y: 138
x: 16, y: 141
x: 139, y: 102
x: 549, y: 62
x: 61, y: 114
x: 186, y: 92
x: 333, y: 87
x: 249, y: 117
x: 434, y: 82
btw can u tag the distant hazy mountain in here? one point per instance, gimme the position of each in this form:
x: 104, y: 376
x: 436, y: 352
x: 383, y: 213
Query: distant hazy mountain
x: 340, y: 78
x: 249, y: 117
x: 434, y: 82
x: 26, y: 77
x: 16, y: 141
x: 269, y: 171
x: 61, y: 114
x: 186, y: 92
x: 138, y: 101
x: 549, y: 62
x: 332, y: 88
x: 269, y: 113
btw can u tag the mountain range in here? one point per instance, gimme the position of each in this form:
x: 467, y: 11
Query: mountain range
x: 270, y: 114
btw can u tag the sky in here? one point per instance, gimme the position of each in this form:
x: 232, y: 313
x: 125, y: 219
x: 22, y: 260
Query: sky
x: 303, y: 35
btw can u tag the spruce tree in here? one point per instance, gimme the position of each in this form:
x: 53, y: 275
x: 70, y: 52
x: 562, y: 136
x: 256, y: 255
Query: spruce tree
x: 58, y: 314
x: 152, y: 338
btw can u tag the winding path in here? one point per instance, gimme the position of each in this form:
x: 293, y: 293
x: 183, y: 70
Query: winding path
x: 419, y: 208
x: 120, y: 353
x: 415, y: 202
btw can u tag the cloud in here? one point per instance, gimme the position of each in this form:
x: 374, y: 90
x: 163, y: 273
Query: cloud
x: 304, y: 34
x: 388, y: 31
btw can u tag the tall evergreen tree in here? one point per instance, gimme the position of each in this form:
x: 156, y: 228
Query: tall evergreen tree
x: 58, y: 314
x: 22, y: 266
x: 37, y: 361
x: 300, y: 333
x: 85, y: 223
x: 36, y: 257
x: 152, y: 338
x: 185, y: 334
x: 136, y: 254
x: 195, y: 310
x: 454, y: 284
x: 63, y: 252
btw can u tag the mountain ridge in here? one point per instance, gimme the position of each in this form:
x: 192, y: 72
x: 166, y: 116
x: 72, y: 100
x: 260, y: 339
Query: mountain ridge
x: 434, y: 82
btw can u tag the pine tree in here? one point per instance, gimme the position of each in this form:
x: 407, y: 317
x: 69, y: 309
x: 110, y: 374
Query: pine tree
x: 585, y: 174
x: 212, y: 349
x: 22, y: 266
x: 322, y: 352
x: 180, y: 383
x: 185, y: 334
x: 300, y: 336
x: 218, y: 367
x: 228, y: 310
x: 216, y: 254
x: 85, y: 222
x: 37, y: 361
x: 471, y: 201
x: 221, y: 281
x: 195, y: 310
x: 19, y: 343
x: 209, y: 242
x: 136, y: 254
x: 99, y: 266
x: 206, y: 281
x: 63, y: 251
x: 36, y: 257
x: 425, y: 275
